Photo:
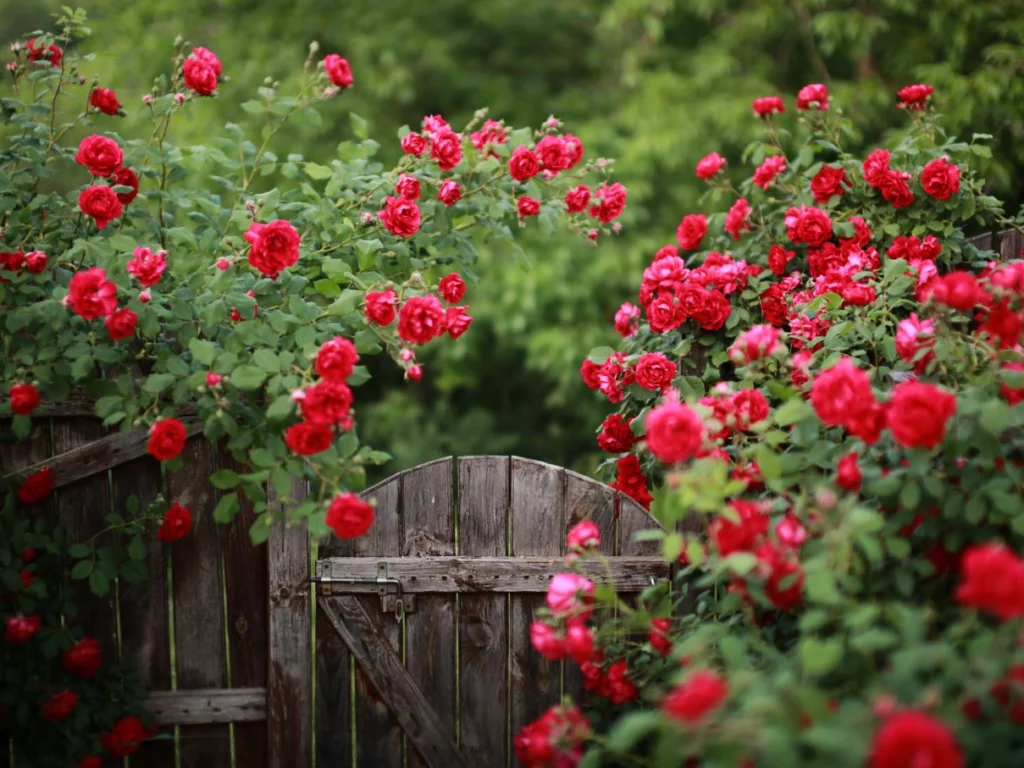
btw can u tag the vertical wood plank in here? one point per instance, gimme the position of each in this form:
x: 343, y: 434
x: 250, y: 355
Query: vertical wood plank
x: 245, y: 567
x: 538, y: 515
x: 378, y: 735
x: 290, y: 674
x: 82, y: 507
x: 587, y: 499
x: 145, y: 623
x: 632, y: 519
x: 484, y: 499
x: 430, y: 642
x: 199, y: 644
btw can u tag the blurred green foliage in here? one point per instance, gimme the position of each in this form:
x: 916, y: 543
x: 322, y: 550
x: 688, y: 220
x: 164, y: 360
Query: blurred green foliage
x: 655, y: 84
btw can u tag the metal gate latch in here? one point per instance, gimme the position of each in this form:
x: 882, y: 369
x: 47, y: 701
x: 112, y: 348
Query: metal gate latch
x: 392, y: 600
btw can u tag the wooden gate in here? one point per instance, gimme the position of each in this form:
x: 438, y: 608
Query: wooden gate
x: 422, y: 635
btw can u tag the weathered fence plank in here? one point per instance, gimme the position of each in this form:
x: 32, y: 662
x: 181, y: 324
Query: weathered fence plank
x: 484, y: 497
x: 290, y: 676
x: 538, y: 522
x: 212, y: 705
x: 199, y: 637
x: 632, y: 519
x: 430, y: 639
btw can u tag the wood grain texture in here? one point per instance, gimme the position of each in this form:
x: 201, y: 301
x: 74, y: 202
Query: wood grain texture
x: 77, y: 459
x: 290, y: 673
x: 430, y: 640
x: 632, y: 519
x: 538, y: 522
x: 199, y: 643
x: 247, y: 600
x: 426, y: 731
x: 484, y: 495
x: 213, y: 705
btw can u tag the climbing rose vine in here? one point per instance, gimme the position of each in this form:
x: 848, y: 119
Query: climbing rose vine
x: 817, y: 395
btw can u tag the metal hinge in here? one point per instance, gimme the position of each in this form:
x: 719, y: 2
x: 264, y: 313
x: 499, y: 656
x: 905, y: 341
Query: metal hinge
x: 392, y: 600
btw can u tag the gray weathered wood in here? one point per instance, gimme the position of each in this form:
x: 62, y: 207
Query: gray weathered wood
x: 484, y: 498
x: 290, y: 675
x: 205, y: 706
x: 425, y: 729
x: 201, y: 654
x: 429, y: 518
x: 83, y: 458
x: 632, y: 519
x: 445, y: 575
x: 538, y: 525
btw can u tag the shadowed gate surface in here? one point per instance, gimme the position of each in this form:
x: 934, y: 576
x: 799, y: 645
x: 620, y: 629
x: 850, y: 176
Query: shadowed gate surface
x: 467, y: 546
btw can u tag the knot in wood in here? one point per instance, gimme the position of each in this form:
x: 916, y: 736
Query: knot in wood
x: 241, y: 625
x: 480, y: 634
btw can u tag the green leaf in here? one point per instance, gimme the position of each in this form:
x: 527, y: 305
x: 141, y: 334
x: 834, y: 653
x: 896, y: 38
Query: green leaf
x: 247, y: 377
x: 628, y: 730
x: 267, y: 360
x: 740, y: 563
x: 600, y: 354
x: 995, y: 416
x: 224, y: 479
x: 821, y: 588
x: 318, y: 172
x: 82, y: 569
x: 137, y: 549
x: 79, y: 551
x: 260, y: 530
x: 226, y: 508
x: 671, y: 546
x: 792, y: 411
x: 254, y: 107
x: 202, y: 351
x: 819, y: 657
x: 157, y: 383
x: 281, y: 408
x: 99, y: 583
x: 768, y: 461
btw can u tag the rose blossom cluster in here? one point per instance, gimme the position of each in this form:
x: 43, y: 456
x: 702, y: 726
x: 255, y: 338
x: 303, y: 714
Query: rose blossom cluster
x: 104, y: 158
x: 556, y: 738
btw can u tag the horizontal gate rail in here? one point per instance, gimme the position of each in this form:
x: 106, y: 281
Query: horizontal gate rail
x: 212, y: 705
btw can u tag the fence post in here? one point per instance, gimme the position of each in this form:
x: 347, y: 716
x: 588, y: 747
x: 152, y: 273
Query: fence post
x: 289, y: 673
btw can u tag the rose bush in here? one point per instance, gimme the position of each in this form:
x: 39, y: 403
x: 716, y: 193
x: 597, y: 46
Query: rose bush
x: 837, y: 461
x: 180, y: 290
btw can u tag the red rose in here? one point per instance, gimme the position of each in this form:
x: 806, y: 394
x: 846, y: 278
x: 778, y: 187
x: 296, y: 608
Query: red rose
x: 524, y: 164
x: 577, y: 198
x: 177, y: 522
x: 777, y: 568
x: 451, y: 288
x: 588, y: 372
x: 630, y: 480
x: 306, y: 439
x: 91, y: 295
x: 450, y: 192
x: 209, y: 58
x: 90, y: 761
x: 912, y: 738
x: 695, y: 698
x: 766, y: 172
x: 809, y: 226
x: 492, y: 132
x: 527, y: 206
x: 691, y: 231
x: 674, y: 432
x: 756, y: 343
x: 400, y: 217
x: 327, y: 402
x: 408, y: 187
x: 658, y: 637
x: 166, y: 439
x: 611, y: 199
x: 551, y: 151
x: 105, y: 100
x: 749, y: 407
x: 773, y: 305
x: 21, y: 629
x: 100, y: 203
x: 421, y: 319
x: 616, y: 435
x: 1012, y: 395
x: 121, y: 324
x: 959, y: 290
x: 841, y: 393
x: 124, y: 739
x: 37, y: 486
x: 709, y: 166
x: 664, y: 315
x: 736, y: 218
x: 626, y: 319
x: 993, y: 580
x: 275, y: 246
x: 147, y: 266
x: 918, y: 413
x: 59, y: 706
x: 778, y: 258
x: 338, y: 70
x: 24, y: 399
x: 102, y: 156
x: 380, y: 306
x: 848, y: 475
x: 857, y: 295
x: 414, y: 144
x: 654, y: 371
x: 446, y: 149
x: 875, y: 165
x: 714, y: 313
x: 1004, y: 327
x: 349, y: 516
x: 767, y: 106
x: 827, y: 183
x: 336, y: 359
x: 50, y: 53
x: 125, y: 177
x: 940, y: 179
x: 456, y: 321
x: 894, y: 188
x: 199, y: 76
x: 914, y: 97
x: 435, y: 124
x: 84, y: 658
x: 35, y: 262
x: 812, y: 97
